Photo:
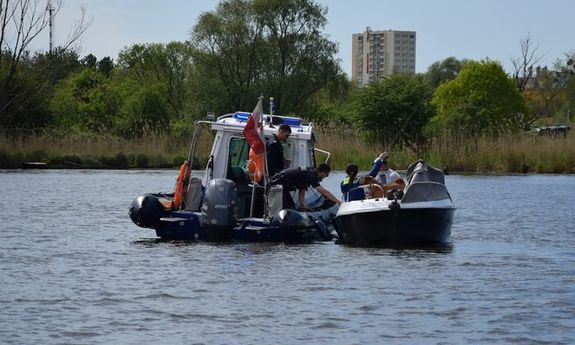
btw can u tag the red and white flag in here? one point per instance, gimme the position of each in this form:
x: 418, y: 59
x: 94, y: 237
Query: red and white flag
x: 253, y: 129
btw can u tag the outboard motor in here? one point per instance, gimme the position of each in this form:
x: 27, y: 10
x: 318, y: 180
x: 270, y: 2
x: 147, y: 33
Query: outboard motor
x: 146, y: 210
x: 219, y: 210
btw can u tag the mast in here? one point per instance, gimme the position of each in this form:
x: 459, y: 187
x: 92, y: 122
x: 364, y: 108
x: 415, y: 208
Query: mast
x: 51, y: 10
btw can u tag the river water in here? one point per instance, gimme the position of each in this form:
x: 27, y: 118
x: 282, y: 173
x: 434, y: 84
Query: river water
x: 75, y: 270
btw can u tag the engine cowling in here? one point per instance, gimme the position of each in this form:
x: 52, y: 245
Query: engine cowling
x: 219, y: 210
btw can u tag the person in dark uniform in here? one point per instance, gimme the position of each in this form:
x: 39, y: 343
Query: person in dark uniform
x: 300, y: 179
x: 275, y: 152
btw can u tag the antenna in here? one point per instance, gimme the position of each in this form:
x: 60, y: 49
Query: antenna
x: 51, y: 10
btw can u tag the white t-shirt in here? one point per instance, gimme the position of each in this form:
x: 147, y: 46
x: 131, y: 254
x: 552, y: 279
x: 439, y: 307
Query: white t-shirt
x: 389, y: 176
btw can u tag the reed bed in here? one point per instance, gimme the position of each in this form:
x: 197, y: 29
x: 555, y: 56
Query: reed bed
x: 152, y: 150
x: 513, y: 153
x: 517, y: 153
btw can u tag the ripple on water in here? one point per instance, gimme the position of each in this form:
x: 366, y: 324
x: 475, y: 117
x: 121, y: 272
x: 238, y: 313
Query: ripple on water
x: 87, y: 275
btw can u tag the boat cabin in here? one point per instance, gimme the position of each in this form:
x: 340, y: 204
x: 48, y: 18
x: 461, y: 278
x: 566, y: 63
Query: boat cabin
x: 230, y: 153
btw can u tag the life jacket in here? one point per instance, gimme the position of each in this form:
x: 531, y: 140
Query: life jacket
x: 255, y: 166
x: 347, y: 181
x: 181, y: 185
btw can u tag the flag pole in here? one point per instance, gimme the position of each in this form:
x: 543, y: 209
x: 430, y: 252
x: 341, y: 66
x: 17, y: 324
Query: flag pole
x: 266, y: 172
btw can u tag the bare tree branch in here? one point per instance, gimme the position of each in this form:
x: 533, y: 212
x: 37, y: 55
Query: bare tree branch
x: 523, y: 66
x: 21, y: 21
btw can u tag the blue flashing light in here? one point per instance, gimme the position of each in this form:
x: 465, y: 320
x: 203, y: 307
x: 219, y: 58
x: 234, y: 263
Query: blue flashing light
x: 292, y: 121
x: 241, y: 115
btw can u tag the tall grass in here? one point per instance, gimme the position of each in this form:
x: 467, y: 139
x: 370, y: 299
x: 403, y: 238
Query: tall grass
x: 61, y: 150
x: 517, y: 153
x: 512, y: 153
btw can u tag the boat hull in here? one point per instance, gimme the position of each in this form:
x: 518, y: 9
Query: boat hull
x: 289, y: 226
x: 399, y: 227
x: 183, y: 225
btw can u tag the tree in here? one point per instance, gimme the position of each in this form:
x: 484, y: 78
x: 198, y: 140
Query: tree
x: 105, y: 66
x: 21, y: 21
x: 395, y: 110
x: 264, y: 46
x: 565, y: 70
x: 146, y: 111
x: 226, y: 43
x: 525, y: 64
x: 546, y: 95
x: 53, y: 66
x: 86, y: 101
x: 298, y: 60
x: 89, y: 61
x: 481, y: 100
x: 169, y: 66
x: 445, y: 70
x: 330, y: 104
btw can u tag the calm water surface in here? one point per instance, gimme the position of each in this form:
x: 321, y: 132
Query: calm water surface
x: 75, y: 270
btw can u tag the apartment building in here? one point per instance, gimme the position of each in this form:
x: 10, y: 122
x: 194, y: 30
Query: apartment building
x: 379, y: 54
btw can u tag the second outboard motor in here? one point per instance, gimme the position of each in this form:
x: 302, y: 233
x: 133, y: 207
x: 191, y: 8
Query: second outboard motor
x: 219, y: 210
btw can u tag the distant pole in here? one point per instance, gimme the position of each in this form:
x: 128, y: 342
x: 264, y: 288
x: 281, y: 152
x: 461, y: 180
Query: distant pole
x: 51, y: 10
x: 570, y: 71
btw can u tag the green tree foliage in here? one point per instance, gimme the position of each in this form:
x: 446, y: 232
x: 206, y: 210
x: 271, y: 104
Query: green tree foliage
x: 298, y: 60
x: 480, y: 100
x: 86, y: 101
x: 146, y: 111
x: 89, y: 61
x: 105, y: 66
x: 55, y: 65
x: 566, y: 78
x: 445, y: 70
x: 29, y: 88
x: 264, y: 46
x: 331, y: 104
x: 545, y: 97
x: 395, y: 110
x: 167, y: 65
x: 22, y: 21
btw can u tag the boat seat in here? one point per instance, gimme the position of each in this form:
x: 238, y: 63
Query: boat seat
x: 194, y: 195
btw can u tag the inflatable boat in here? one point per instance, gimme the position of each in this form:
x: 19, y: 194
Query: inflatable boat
x: 227, y: 203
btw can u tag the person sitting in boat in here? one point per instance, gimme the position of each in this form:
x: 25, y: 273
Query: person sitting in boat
x: 275, y: 150
x: 388, y: 178
x: 300, y: 179
x: 350, y: 186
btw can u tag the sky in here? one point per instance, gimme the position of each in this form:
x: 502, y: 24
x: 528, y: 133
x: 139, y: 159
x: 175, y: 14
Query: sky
x: 465, y: 29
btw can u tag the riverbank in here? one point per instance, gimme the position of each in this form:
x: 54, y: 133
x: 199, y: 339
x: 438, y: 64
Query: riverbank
x: 521, y: 153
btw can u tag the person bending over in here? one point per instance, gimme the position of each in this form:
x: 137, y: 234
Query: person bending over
x: 300, y: 179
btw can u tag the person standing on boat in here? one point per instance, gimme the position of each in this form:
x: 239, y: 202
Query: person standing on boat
x: 275, y: 150
x: 350, y: 186
x: 300, y: 179
x: 388, y: 178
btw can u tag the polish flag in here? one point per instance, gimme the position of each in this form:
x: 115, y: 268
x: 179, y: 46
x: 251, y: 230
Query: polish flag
x: 253, y: 130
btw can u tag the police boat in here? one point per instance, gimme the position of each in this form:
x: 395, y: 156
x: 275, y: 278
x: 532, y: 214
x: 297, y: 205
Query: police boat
x: 228, y: 203
x: 420, y: 215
